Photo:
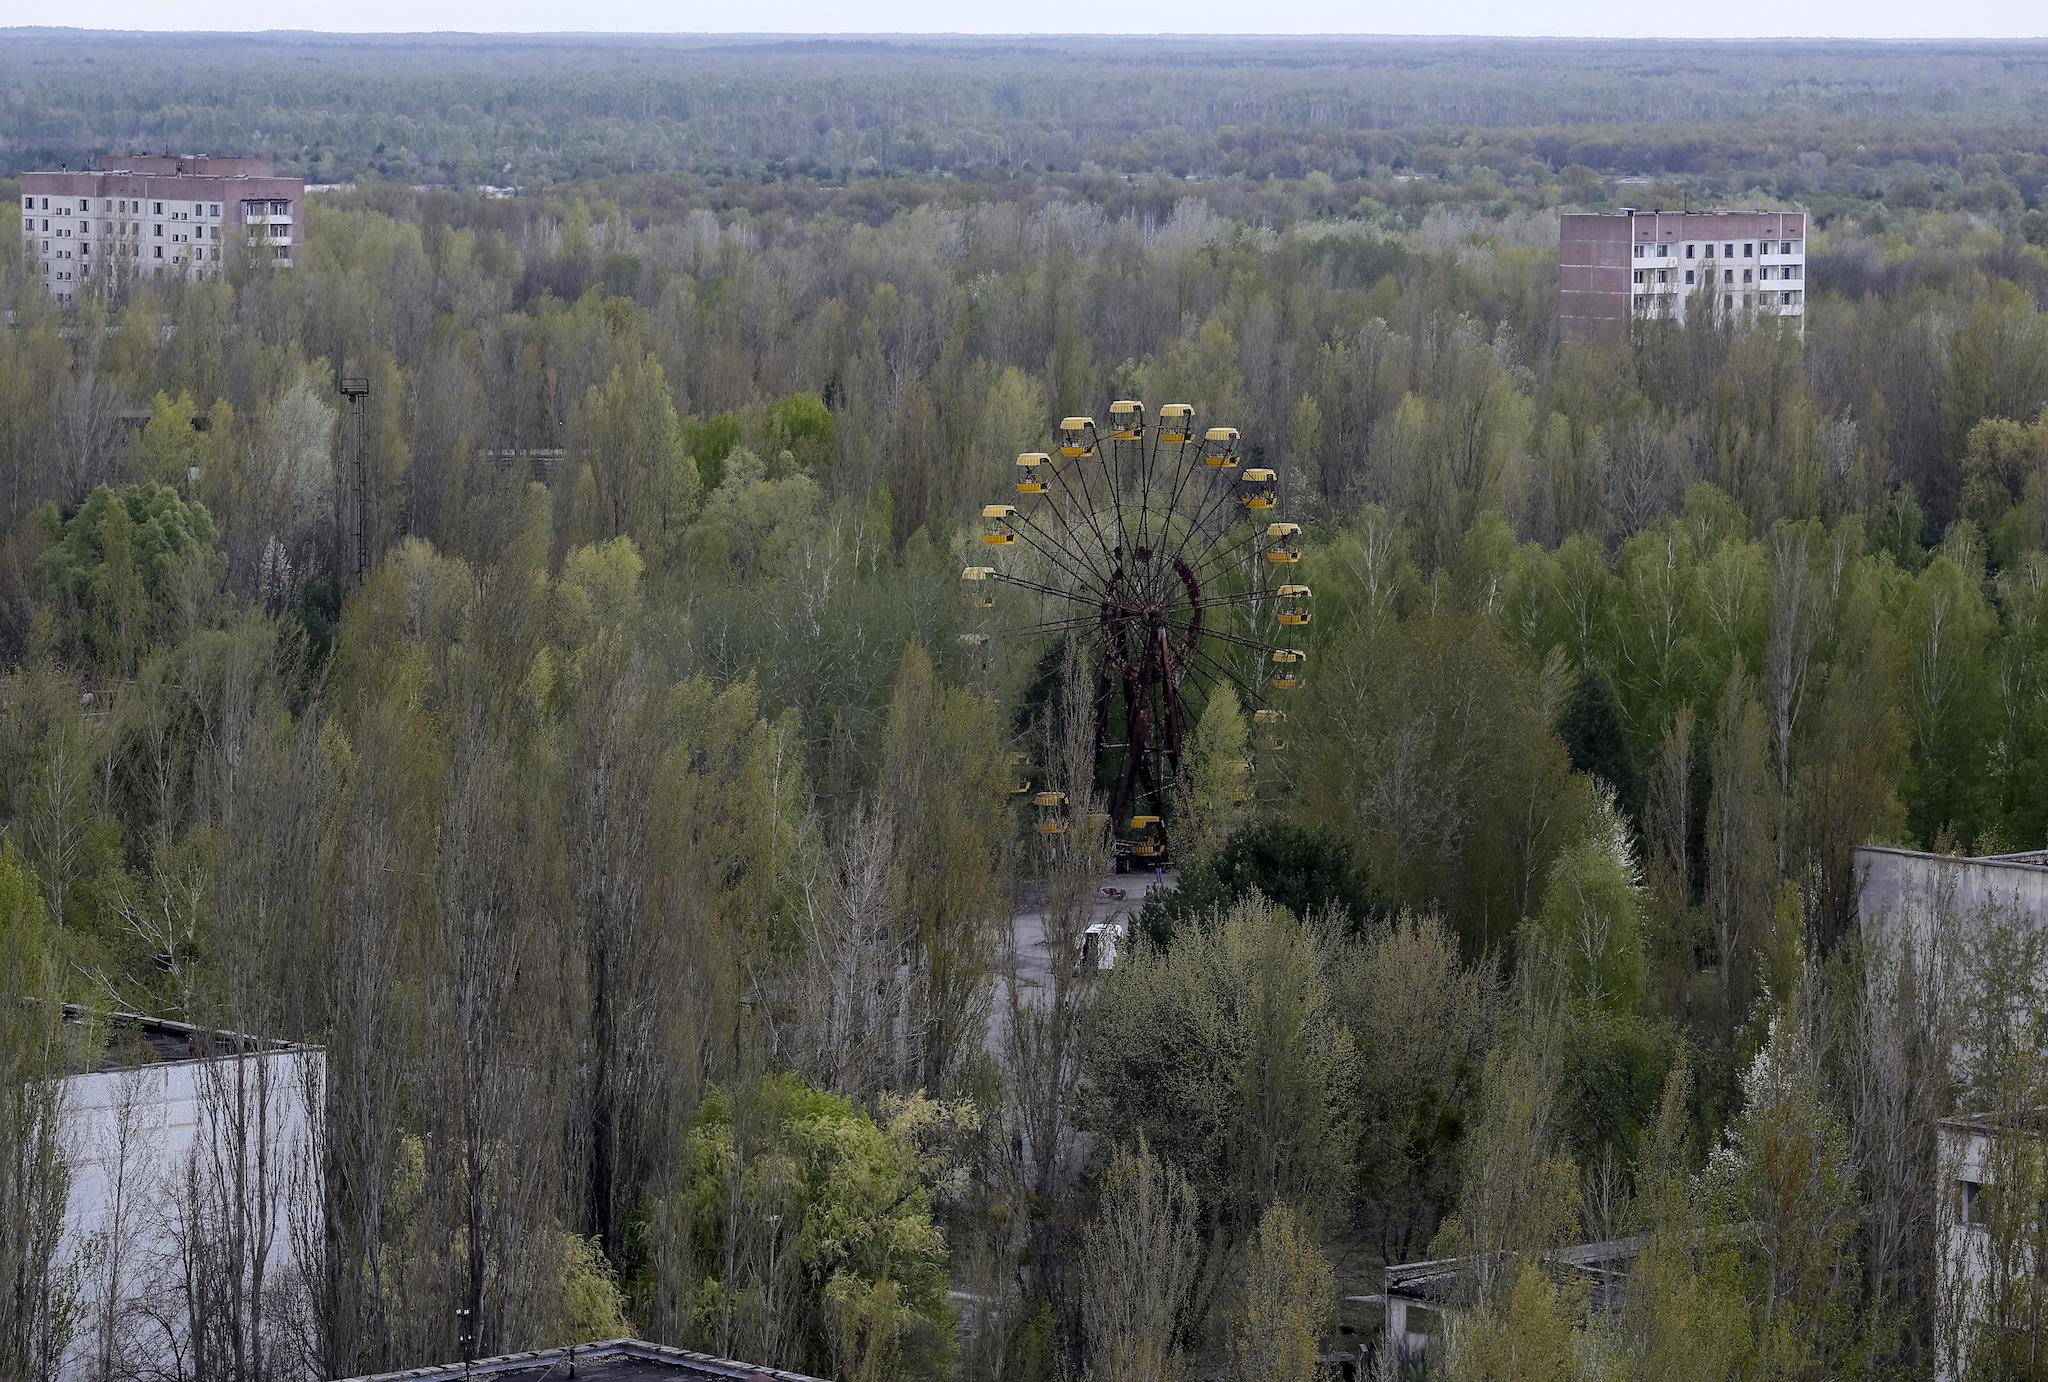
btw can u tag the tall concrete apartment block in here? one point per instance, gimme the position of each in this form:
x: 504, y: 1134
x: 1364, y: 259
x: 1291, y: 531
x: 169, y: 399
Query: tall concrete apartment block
x: 1625, y: 265
x: 155, y: 216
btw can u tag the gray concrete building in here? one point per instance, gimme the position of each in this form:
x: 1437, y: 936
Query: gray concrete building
x: 1624, y: 266
x: 1927, y: 895
x: 137, y: 216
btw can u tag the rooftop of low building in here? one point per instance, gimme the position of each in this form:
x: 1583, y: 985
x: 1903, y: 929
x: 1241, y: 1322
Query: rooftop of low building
x: 2020, y: 859
x: 614, y: 1360
x: 131, y: 1039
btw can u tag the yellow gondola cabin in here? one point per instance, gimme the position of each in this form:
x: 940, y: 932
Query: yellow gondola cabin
x: 1285, y: 540
x: 1176, y: 424
x: 1048, y: 813
x: 1031, y: 472
x: 1219, y: 448
x: 1268, y: 722
x: 996, y: 524
x: 1126, y: 420
x: 1287, y: 668
x: 1255, y: 489
x: 1294, y: 606
x: 1080, y: 438
x: 976, y: 588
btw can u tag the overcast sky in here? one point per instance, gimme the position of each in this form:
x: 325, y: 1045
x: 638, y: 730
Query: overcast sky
x: 1608, y: 18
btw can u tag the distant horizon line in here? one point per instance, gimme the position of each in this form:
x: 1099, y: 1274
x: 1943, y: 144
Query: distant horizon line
x: 832, y: 36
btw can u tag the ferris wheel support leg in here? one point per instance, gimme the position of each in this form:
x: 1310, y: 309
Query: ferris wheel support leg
x: 1170, y: 694
x: 1136, y: 736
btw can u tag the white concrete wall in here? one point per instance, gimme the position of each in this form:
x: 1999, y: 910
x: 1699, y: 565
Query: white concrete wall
x: 132, y: 1137
x: 1919, y: 893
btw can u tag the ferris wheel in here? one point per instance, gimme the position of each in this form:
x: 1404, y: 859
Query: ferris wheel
x: 1161, y: 559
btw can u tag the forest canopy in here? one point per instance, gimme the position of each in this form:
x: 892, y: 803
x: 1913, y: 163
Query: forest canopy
x: 640, y: 841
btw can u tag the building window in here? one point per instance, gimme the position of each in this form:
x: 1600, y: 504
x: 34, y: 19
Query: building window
x: 159, y: 232
x: 1747, y: 277
x: 159, y: 251
x: 1688, y: 275
x: 159, y: 208
x: 1727, y: 275
x: 1728, y: 251
x: 46, y: 223
x: 1639, y: 251
x: 1785, y: 248
x: 1749, y: 249
x: 1973, y: 1204
x: 1663, y: 251
x: 1728, y: 300
x: 46, y: 204
x: 1639, y: 275
x: 1689, y: 251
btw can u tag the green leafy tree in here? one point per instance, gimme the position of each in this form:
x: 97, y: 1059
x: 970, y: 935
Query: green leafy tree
x: 634, y: 476
x: 843, y: 1256
x: 1289, y: 1298
x: 1142, y: 1256
x: 35, y: 1316
x: 1785, y: 1168
x: 130, y: 568
x: 1225, y: 1049
x: 800, y: 424
x: 1308, y: 871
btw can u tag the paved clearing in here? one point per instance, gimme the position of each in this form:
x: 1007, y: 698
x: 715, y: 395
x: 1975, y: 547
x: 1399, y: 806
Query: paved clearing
x: 1034, y: 958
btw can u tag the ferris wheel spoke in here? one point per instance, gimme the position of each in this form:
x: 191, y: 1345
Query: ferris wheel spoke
x: 1213, y: 682
x: 1110, y: 465
x: 1210, y: 561
x: 1076, y: 547
x: 1180, y: 463
x: 1205, y: 632
x: 1082, y: 576
x: 1212, y: 506
x: 1245, y: 694
x: 1090, y: 619
x: 1145, y: 487
x: 1196, y: 525
x: 1086, y: 504
x: 1040, y: 587
x: 1242, y: 597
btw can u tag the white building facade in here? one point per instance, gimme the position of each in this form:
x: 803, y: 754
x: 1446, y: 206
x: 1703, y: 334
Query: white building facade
x: 190, y: 1159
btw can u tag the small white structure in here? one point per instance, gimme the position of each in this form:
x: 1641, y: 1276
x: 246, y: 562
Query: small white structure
x: 188, y: 1154
x: 1100, y: 941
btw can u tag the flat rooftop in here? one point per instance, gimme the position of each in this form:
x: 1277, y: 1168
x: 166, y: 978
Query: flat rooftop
x: 614, y: 1360
x: 1638, y: 213
x: 133, y: 1040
